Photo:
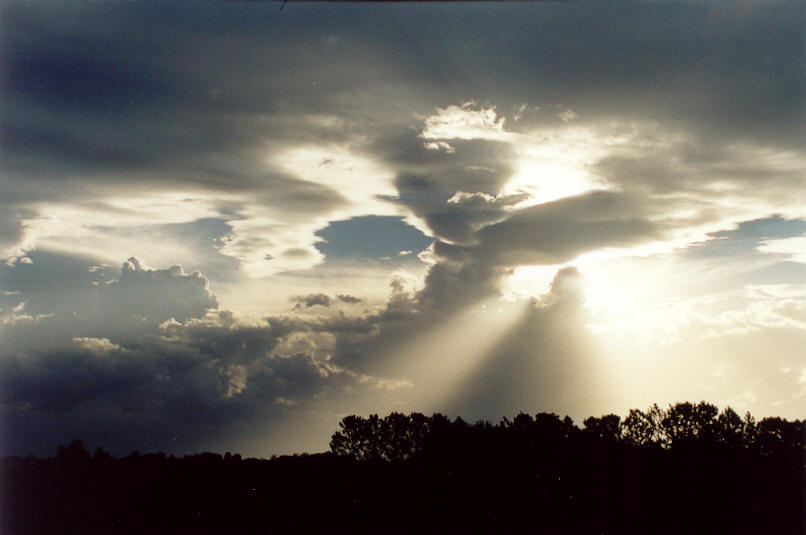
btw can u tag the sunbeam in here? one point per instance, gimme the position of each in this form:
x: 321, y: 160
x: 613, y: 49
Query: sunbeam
x: 543, y: 363
x: 440, y: 359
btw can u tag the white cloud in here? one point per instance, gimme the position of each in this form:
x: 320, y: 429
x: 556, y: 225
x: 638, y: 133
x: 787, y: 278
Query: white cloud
x: 775, y: 291
x: 114, y: 227
x: 772, y: 306
x: 439, y: 146
x: 794, y: 248
x: 98, y: 346
x: 272, y: 223
x: 271, y: 237
x: 469, y: 120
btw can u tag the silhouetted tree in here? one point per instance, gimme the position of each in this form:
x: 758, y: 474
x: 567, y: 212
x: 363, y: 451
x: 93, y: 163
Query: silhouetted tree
x: 717, y: 473
x: 102, y: 456
x: 683, y: 422
x: 731, y: 429
x: 644, y: 428
x: 778, y: 435
x: 606, y: 428
x: 522, y: 422
x: 360, y: 438
x: 75, y: 454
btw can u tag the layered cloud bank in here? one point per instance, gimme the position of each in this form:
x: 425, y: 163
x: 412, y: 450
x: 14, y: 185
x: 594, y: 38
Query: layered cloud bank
x: 550, y: 207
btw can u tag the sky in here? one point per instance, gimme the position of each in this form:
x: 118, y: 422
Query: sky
x: 224, y: 226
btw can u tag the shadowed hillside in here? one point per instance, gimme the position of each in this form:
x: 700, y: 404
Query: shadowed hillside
x: 685, y: 469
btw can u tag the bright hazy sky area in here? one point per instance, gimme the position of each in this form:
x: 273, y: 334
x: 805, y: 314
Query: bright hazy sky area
x: 224, y: 226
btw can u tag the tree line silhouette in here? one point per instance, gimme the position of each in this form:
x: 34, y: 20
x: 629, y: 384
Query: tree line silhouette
x: 398, y: 437
x: 688, y: 468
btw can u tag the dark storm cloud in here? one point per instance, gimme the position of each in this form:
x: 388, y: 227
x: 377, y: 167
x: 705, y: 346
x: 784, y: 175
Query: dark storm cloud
x: 85, y: 346
x: 349, y: 299
x: 79, y: 302
x: 428, y: 179
x: 450, y: 286
x: 121, y: 87
x: 198, y: 381
x: 159, y: 295
x: 48, y: 284
x: 11, y: 229
x: 152, y: 349
x: 556, y: 232
x: 696, y: 166
x: 111, y: 99
x: 122, y: 97
x: 311, y: 300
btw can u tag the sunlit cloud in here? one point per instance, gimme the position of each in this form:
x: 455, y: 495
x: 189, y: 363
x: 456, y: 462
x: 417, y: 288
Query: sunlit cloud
x: 111, y: 229
x: 528, y: 281
x: 468, y: 120
x: 793, y: 248
x: 269, y: 239
x: 357, y: 177
x: 769, y: 306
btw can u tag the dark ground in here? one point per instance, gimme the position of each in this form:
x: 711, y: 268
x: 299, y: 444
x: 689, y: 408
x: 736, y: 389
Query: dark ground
x: 526, y: 476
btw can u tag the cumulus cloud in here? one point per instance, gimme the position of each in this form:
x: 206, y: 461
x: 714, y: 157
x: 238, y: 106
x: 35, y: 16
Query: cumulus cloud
x: 158, y: 353
x: 159, y: 295
x: 94, y: 306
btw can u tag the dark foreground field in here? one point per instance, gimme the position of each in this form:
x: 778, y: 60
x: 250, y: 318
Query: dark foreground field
x: 686, y: 469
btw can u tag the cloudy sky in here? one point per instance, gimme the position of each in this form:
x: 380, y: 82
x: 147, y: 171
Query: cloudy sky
x: 223, y: 226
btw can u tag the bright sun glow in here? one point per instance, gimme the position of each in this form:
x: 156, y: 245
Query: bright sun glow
x: 529, y: 281
x: 634, y: 306
x: 633, y: 295
x: 553, y: 165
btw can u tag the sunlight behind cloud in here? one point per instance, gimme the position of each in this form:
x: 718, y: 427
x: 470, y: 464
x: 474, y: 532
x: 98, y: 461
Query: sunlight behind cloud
x: 555, y: 164
x: 529, y: 281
